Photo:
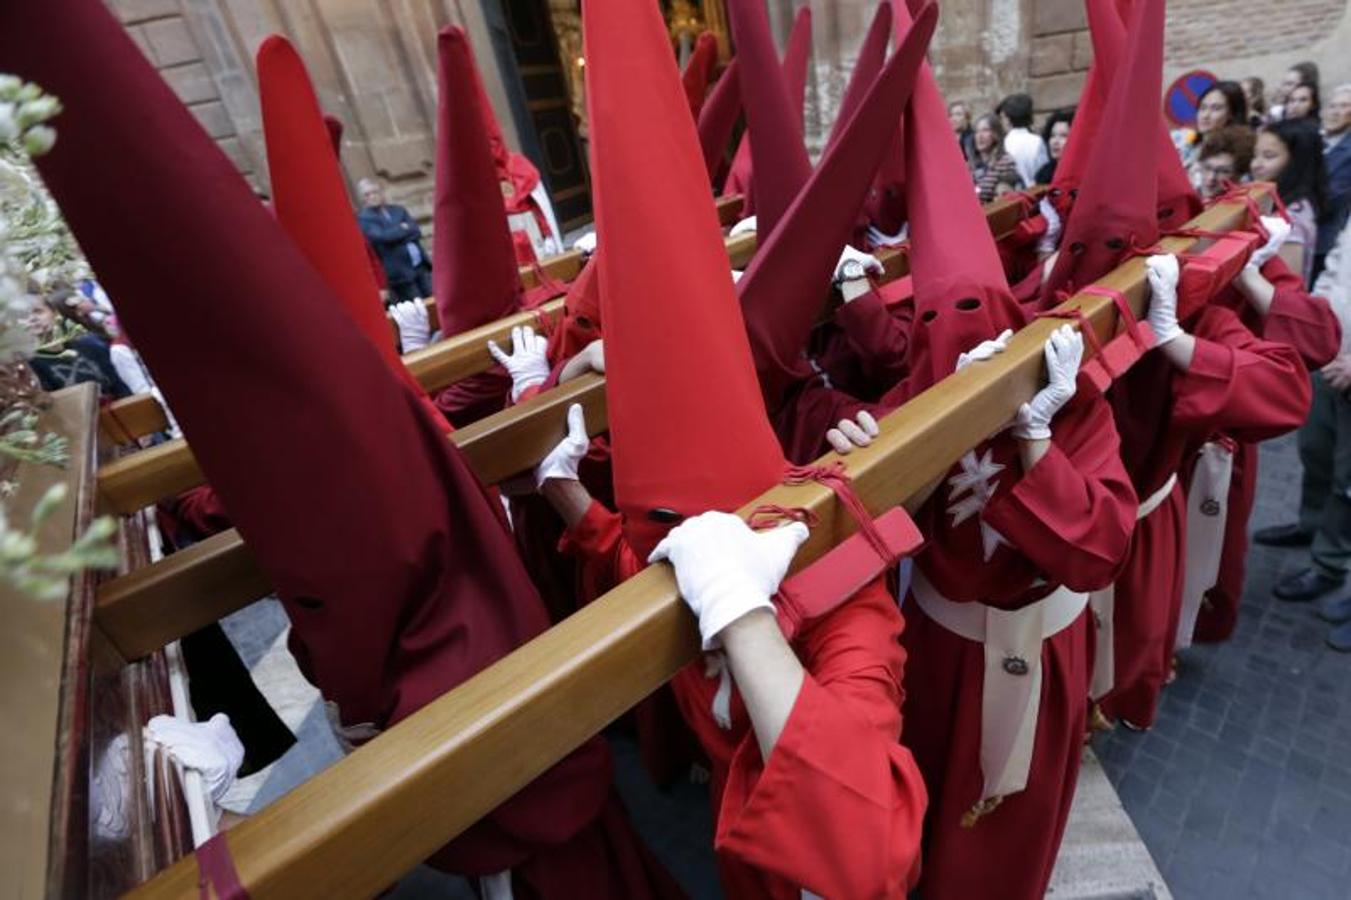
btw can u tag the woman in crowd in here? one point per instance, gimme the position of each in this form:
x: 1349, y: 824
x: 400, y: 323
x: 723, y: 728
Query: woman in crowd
x: 1299, y: 73
x: 959, y: 114
x: 1222, y: 104
x: 1056, y: 133
x: 1255, y: 92
x: 993, y: 170
x: 1303, y: 103
x: 1290, y: 153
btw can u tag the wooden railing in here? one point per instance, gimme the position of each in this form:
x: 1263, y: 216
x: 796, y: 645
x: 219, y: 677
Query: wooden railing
x: 356, y: 827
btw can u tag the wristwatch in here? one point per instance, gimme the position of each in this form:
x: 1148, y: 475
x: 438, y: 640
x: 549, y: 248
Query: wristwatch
x: 851, y: 270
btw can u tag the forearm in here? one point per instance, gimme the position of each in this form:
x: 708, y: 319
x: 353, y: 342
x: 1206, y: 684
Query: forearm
x: 1031, y: 450
x: 568, y: 497
x: 1180, y: 351
x: 1255, y: 288
x: 766, y: 671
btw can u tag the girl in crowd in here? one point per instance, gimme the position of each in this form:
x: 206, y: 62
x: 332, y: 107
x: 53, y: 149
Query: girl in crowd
x: 959, y: 114
x: 1303, y: 103
x: 1290, y: 153
x: 1299, y: 73
x: 1056, y: 133
x: 991, y: 165
x: 1222, y: 104
x: 1255, y: 92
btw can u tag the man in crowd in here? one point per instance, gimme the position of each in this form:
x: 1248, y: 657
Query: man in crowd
x: 1225, y: 155
x: 1027, y: 148
x: 398, y: 240
x: 1337, y: 157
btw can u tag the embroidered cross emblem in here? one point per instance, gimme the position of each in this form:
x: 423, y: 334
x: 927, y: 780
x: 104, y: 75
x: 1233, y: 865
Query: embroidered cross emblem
x: 970, y: 489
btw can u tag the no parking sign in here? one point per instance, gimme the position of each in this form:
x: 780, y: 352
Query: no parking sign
x: 1184, y: 96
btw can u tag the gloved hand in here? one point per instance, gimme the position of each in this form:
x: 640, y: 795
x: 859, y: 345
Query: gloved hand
x: 869, y: 263
x: 985, y: 350
x: 1163, y: 273
x: 851, y: 433
x: 563, y: 459
x: 1064, y: 353
x: 528, y: 364
x: 411, y: 319
x: 724, y: 569
x: 586, y: 243
x: 211, y: 748
x: 1050, y: 241
x: 1278, y: 229
x: 745, y: 226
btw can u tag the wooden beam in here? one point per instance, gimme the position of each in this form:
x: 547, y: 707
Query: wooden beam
x: 483, y: 741
x: 123, y: 421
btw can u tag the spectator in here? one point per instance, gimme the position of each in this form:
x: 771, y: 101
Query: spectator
x: 397, y: 238
x: 1290, y: 153
x: 1254, y: 91
x: 1337, y: 161
x: 992, y: 166
x: 1027, y: 149
x: 1225, y: 155
x: 1056, y: 133
x: 959, y: 114
x: 1303, y: 103
x: 1221, y: 105
x: 1299, y: 73
x: 1325, y: 450
x: 68, y: 353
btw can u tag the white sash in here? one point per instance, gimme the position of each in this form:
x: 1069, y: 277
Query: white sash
x: 1207, y: 511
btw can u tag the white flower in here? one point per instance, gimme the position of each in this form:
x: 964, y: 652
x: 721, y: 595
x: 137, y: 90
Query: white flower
x: 9, y: 85
x: 39, y: 140
x: 9, y: 123
x: 37, y: 111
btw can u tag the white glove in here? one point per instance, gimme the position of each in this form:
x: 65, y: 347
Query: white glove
x: 1050, y: 241
x: 586, y: 243
x: 528, y: 364
x: 1064, y: 352
x: 745, y: 226
x: 851, y: 433
x: 1163, y: 274
x: 869, y: 262
x: 562, y: 461
x: 879, y: 238
x: 724, y: 569
x: 1278, y: 229
x: 985, y: 350
x: 211, y: 748
x: 414, y: 330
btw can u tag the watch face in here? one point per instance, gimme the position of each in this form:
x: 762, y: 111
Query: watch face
x: 853, y: 270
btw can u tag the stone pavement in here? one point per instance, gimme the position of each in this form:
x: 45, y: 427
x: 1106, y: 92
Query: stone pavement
x: 1243, y: 787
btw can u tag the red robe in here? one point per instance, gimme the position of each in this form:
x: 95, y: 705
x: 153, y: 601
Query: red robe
x: 1066, y: 521
x: 1311, y: 328
x: 862, y: 350
x: 1237, y: 384
x: 838, y: 807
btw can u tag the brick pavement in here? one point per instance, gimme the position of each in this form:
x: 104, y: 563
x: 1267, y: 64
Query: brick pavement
x: 1243, y: 787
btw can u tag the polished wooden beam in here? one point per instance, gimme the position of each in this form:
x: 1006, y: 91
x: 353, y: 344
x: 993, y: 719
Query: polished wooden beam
x: 123, y: 421
x: 483, y: 741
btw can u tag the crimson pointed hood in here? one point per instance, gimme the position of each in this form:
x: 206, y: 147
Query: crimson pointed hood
x: 309, y: 196
x: 961, y: 294
x: 699, y: 71
x: 1108, y: 37
x: 1116, y: 207
x: 774, y: 107
x: 718, y: 118
x: 785, y: 287
x: 872, y: 53
x: 474, y: 261
x: 688, y: 434
x: 370, y: 525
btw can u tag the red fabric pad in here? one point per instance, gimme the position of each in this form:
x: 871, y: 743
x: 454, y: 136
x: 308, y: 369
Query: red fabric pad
x: 1207, y: 273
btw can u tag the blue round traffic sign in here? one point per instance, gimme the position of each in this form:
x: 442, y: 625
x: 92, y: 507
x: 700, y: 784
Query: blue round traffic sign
x: 1184, y: 96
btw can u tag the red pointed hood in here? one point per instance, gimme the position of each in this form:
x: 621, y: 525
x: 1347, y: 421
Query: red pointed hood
x: 367, y: 521
x: 718, y: 118
x: 308, y: 193
x: 688, y: 434
x: 1109, y: 37
x: 785, y: 287
x: 771, y: 175
x: 961, y: 294
x: 580, y: 324
x: 699, y: 71
x: 872, y: 53
x: 1116, y: 207
x: 474, y: 262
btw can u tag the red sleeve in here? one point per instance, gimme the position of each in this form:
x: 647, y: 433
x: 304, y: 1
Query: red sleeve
x: 801, y: 424
x: 1249, y: 388
x: 1072, y: 514
x: 1297, y: 318
x: 838, y: 809
x: 606, y: 559
x: 878, y: 335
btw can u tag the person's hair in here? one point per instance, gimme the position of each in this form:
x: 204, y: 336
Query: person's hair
x: 1305, y: 176
x: 966, y: 108
x: 1233, y: 99
x: 1316, y: 106
x: 1258, y: 89
x: 369, y: 184
x: 1065, y: 115
x: 1308, y: 72
x: 1018, y: 109
x: 1236, y: 140
x: 998, y: 129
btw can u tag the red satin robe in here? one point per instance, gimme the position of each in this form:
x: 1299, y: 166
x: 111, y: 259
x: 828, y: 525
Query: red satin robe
x: 1309, y: 326
x: 1066, y: 521
x: 1239, y: 385
x: 837, y: 809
